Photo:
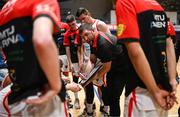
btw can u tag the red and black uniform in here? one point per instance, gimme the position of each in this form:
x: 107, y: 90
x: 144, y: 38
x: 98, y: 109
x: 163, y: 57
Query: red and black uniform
x: 144, y: 22
x: 105, y: 48
x: 16, y: 27
x: 59, y: 37
x: 69, y: 41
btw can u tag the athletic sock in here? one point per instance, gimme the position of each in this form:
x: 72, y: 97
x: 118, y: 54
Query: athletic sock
x: 76, y: 95
x: 89, y: 108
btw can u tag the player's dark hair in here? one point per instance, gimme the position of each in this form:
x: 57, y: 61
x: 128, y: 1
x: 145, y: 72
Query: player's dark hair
x: 70, y: 18
x: 85, y: 26
x: 81, y: 11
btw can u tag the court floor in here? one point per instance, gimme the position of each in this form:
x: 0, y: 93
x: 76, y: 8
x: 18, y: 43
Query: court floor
x: 172, y: 113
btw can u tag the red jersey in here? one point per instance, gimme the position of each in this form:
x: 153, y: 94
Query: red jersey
x: 70, y: 37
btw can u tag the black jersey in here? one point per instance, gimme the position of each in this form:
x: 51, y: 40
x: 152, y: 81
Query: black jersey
x: 105, y: 48
x: 145, y: 22
x: 59, y: 37
x: 16, y: 26
x: 70, y: 38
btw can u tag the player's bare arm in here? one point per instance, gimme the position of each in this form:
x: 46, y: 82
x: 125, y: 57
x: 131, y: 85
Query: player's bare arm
x: 68, y: 54
x: 137, y: 57
x: 45, y: 48
x: 103, y: 27
x: 105, y: 68
x: 171, y: 61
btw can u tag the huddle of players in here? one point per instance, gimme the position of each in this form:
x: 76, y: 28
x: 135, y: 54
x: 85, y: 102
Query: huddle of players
x: 78, y: 53
x: 118, y: 59
x: 143, y: 55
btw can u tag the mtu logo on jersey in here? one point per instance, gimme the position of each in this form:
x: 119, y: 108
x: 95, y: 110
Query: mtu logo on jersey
x: 159, y: 21
x: 8, y: 37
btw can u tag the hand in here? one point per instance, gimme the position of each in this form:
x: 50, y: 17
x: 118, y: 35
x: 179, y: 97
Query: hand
x: 170, y: 102
x: 6, y: 81
x: 47, y: 95
x: 174, y: 85
x: 85, y: 82
x: 66, y: 80
x: 35, y: 100
x: 73, y: 87
x: 98, y: 82
x: 71, y: 68
x: 82, y: 76
x: 174, y: 98
x: 161, y: 97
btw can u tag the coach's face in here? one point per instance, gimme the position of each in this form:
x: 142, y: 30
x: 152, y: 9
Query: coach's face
x: 88, y: 36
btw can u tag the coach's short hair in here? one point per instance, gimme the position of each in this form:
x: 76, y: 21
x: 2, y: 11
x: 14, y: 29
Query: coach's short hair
x: 81, y: 11
x: 85, y: 26
x: 70, y: 18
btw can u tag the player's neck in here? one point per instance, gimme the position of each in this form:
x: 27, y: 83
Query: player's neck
x: 93, y: 20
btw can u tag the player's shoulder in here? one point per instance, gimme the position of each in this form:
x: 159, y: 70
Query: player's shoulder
x: 64, y: 25
x: 100, y: 22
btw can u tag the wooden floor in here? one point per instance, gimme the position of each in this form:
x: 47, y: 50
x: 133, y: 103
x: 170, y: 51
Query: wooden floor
x: 75, y: 113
